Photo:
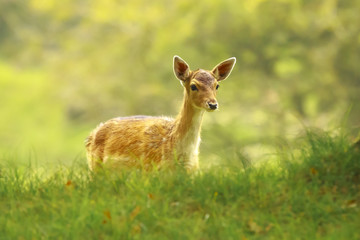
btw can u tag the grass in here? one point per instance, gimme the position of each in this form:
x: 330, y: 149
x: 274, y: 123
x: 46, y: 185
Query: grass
x: 311, y: 193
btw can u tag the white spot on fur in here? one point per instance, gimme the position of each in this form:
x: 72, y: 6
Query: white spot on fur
x: 189, y: 145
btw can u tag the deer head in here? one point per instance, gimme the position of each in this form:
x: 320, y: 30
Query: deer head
x: 201, y: 85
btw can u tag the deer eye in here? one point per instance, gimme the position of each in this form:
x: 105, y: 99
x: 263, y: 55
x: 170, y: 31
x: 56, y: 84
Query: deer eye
x: 193, y: 87
x: 217, y: 86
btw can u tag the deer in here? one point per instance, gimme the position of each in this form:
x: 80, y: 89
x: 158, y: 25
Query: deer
x: 148, y: 141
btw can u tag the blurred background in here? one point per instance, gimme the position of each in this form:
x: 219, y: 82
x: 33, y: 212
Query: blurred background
x: 67, y: 65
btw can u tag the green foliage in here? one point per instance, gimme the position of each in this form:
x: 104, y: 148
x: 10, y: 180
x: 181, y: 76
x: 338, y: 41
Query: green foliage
x: 32, y: 118
x: 81, y: 62
x: 305, y: 197
x: 332, y: 162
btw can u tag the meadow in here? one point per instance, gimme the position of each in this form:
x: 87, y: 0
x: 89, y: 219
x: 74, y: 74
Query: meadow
x: 311, y: 191
x: 267, y: 171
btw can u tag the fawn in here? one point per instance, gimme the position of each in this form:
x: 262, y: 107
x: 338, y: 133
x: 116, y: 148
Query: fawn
x: 145, y: 141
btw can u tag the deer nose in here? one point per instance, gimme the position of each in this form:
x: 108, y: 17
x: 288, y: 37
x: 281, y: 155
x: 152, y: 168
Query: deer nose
x: 213, y: 106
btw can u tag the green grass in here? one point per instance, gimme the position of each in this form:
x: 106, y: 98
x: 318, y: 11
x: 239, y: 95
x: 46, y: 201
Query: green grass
x: 312, y: 192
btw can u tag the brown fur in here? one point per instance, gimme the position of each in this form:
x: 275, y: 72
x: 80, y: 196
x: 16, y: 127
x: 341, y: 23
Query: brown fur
x: 142, y: 141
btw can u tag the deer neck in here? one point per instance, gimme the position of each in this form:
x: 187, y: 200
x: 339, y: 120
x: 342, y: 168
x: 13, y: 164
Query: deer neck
x: 187, y: 131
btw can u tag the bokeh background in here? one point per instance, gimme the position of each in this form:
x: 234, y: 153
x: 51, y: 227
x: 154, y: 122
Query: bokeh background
x: 67, y: 65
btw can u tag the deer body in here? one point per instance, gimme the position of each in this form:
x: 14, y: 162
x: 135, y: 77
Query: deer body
x: 143, y: 141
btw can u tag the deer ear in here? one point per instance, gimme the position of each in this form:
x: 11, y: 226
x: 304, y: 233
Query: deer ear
x: 223, y: 69
x: 181, y: 68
